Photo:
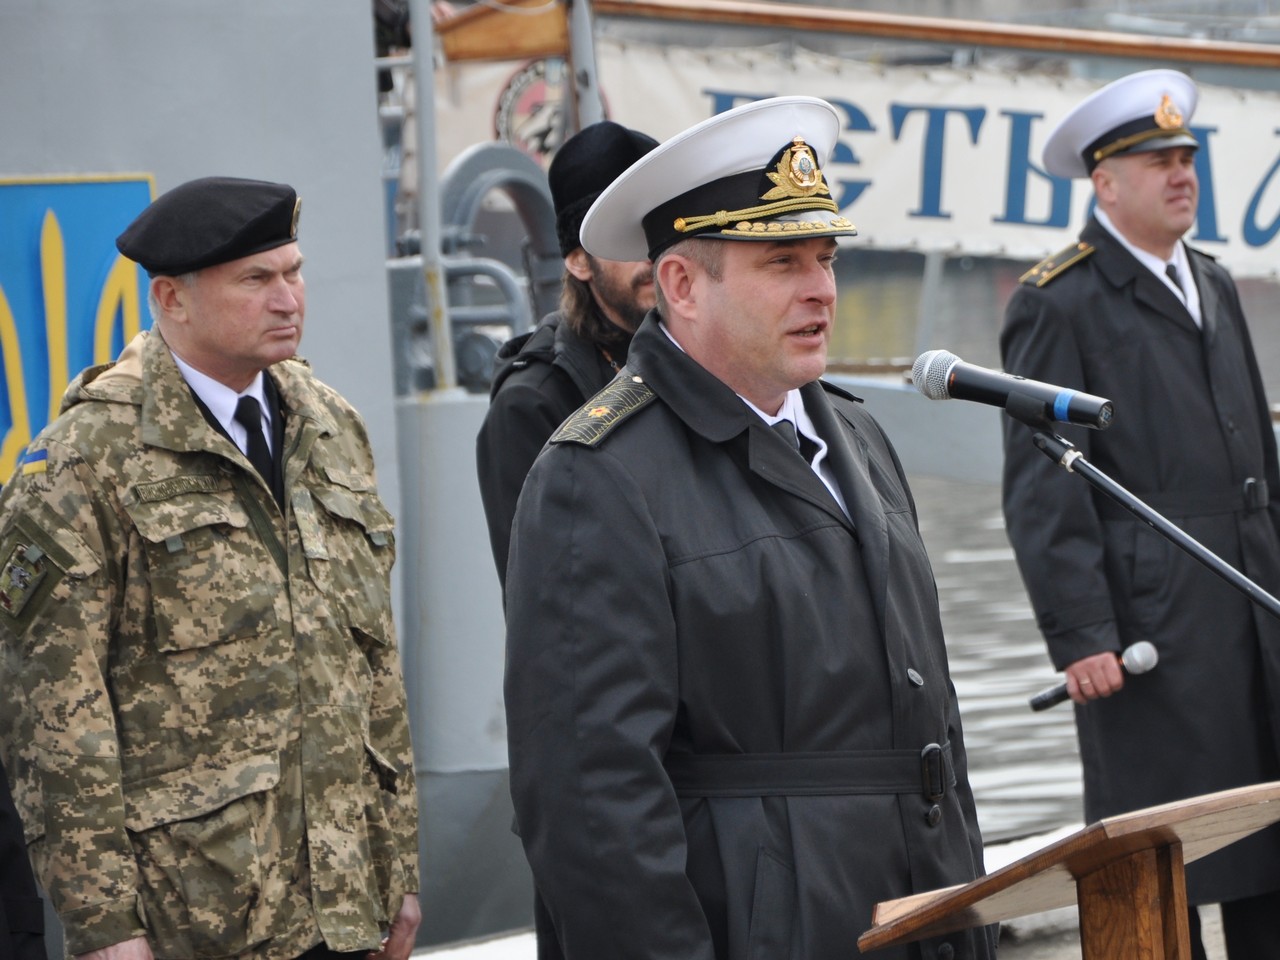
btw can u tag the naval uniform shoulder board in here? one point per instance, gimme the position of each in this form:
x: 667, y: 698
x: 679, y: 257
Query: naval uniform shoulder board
x: 1056, y: 265
x: 621, y: 397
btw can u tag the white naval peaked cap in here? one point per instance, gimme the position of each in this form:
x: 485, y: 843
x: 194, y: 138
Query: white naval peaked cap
x: 1144, y: 111
x: 751, y: 173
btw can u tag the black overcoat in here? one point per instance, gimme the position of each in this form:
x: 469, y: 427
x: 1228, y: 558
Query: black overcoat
x: 705, y: 659
x: 1191, y: 429
x: 540, y: 378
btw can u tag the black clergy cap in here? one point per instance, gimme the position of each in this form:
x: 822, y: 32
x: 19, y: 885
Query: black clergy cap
x: 209, y: 221
x: 584, y: 166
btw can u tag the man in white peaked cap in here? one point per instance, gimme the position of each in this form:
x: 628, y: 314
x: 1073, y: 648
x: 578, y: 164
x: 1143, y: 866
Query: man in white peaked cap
x: 732, y: 730
x: 1134, y: 314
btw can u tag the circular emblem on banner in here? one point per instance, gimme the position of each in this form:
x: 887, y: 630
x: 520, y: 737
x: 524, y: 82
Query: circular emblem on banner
x: 528, y: 114
x: 530, y: 109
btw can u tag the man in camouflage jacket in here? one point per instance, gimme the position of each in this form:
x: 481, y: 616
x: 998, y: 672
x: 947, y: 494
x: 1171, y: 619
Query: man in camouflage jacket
x: 205, y: 719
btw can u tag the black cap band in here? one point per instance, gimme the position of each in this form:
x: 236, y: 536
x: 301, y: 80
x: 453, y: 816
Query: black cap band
x: 739, y: 206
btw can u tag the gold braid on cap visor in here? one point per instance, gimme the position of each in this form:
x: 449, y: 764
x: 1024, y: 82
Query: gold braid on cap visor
x: 1124, y: 143
x: 748, y: 201
x: 722, y: 218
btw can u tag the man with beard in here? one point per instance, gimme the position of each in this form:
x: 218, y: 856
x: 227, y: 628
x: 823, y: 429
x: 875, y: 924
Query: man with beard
x: 545, y: 375
x: 1131, y: 313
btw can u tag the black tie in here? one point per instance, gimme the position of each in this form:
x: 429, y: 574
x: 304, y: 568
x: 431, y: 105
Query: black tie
x: 796, y: 440
x: 249, y: 416
x: 1172, y: 273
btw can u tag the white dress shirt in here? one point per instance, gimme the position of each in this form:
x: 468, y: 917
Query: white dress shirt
x: 793, y: 409
x: 1188, y: 293
x: 221, y: 401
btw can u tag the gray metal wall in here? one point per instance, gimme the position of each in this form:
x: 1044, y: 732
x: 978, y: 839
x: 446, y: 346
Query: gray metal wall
x: 476, y: 880
x: 279, y: 90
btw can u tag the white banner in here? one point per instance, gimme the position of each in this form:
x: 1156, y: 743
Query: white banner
x: 929, y: 159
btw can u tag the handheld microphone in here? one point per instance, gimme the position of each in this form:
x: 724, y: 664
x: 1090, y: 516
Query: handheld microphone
x: 1139, y: 658
x: 941, y: 375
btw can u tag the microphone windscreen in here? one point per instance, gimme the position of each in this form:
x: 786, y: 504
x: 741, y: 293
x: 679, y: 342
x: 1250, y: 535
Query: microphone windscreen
x: 929, y: 373
x: 1140, y: 657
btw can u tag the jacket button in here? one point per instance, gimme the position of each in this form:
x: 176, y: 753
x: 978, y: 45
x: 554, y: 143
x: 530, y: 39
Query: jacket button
x: 934, y: 816
x: 946, y: 951
x: 915, y: 677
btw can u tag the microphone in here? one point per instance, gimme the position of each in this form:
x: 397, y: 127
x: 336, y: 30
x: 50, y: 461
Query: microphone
x: 941, y: 375
x: 1138, y: 658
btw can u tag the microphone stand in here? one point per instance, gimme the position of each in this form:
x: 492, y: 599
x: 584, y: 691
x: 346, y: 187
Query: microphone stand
x: 1063, y: 452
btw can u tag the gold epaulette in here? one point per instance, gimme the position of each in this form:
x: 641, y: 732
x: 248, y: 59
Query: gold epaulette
x: 621, y: 397
x: 1059, y: 263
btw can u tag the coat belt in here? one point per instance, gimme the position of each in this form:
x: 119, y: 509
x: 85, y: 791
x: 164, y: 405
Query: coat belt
x: 928, y: 772
x: 1251, y: 495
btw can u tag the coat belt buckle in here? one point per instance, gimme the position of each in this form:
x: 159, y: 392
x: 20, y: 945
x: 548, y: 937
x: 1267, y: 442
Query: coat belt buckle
x: 933, y: 773
x: 1256, y: 494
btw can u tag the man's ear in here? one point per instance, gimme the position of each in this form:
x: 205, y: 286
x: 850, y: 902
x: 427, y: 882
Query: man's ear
x: 168, y: 293
x: 675, y: 275
x: 578, y: 264
x: 1104, y: 180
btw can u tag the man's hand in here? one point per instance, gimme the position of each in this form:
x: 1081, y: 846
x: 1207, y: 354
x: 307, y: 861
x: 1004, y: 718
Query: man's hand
x: 1092, y: 677
x: 135, y: 949
x: 398, y: 943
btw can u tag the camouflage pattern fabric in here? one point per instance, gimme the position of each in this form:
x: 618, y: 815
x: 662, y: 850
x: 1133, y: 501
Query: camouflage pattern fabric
x: 204, y: 716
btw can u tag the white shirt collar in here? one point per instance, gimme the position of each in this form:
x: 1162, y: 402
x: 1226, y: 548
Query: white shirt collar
x: 793, y: 409
x: 221, y: 400
x: 1188, y: 294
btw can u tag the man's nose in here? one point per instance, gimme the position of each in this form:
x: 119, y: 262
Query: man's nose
x: 283, y: 297
x: 821, y: 283
x: 1184, y: 173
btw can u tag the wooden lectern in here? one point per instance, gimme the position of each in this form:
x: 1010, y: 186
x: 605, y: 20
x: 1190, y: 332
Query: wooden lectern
x: 1124, y: 873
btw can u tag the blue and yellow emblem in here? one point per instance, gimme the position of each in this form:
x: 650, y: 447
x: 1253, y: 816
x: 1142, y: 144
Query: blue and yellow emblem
x: 68, y: 299
x: 35, y: 461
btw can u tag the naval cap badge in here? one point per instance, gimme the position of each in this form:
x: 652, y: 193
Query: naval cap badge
x: 796, y: 174
x: 1167, y: 115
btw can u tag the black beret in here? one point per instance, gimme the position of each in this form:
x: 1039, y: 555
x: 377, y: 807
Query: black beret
x: 584, y: 166
x: 209, y: 221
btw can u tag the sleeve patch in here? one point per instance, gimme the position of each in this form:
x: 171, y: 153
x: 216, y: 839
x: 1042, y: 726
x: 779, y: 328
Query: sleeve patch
x: 25, y: 568
x: 35, y: 461
x: 32, y: 564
